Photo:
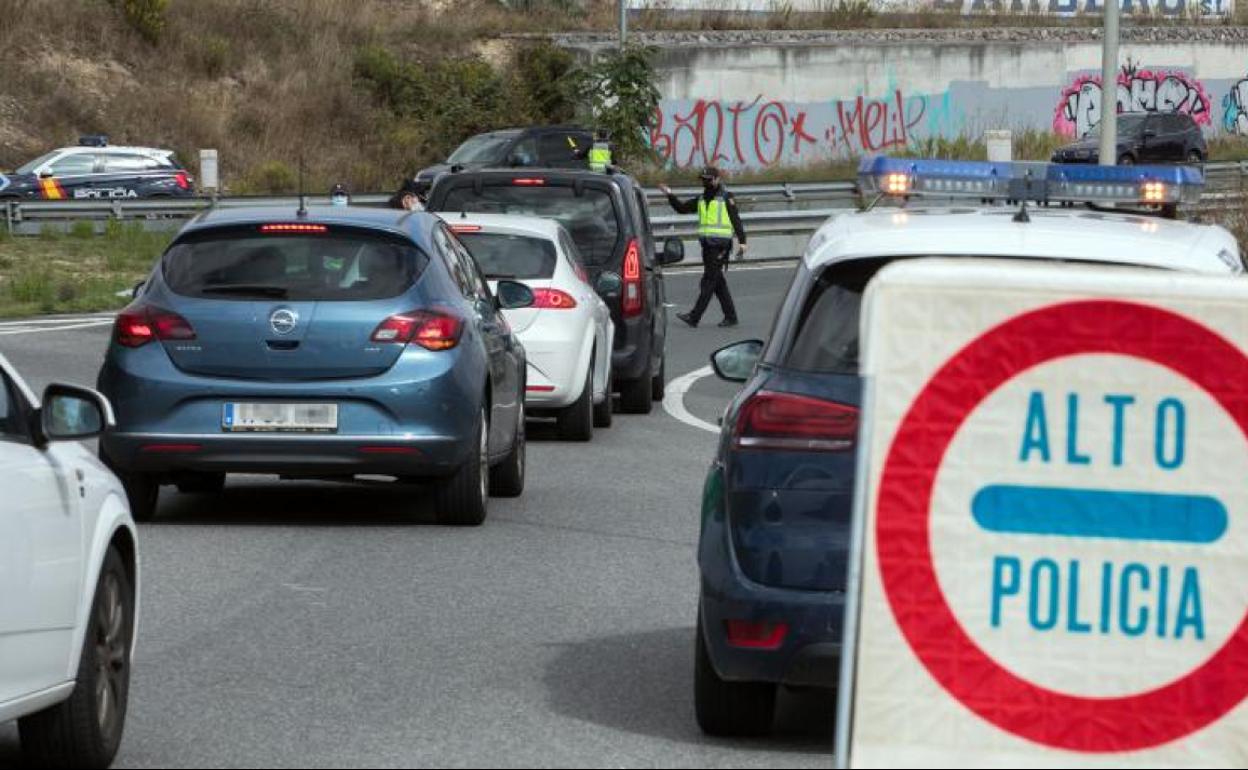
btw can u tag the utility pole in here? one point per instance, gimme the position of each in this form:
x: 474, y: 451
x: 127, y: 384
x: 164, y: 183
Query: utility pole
x: 1109, y: 86
x: 623, y: 5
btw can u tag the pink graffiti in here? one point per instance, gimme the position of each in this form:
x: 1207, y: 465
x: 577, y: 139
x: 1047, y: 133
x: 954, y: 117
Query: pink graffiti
x: 1078, y: 112
x: 766, y: 133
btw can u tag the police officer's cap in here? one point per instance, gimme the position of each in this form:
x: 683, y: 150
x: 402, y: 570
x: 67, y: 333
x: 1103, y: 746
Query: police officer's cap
x: 709, y: 173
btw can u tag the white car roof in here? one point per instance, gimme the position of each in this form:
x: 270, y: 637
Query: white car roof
x: 1053, y: 233
x: 117, y: 150
x: 512, y: 224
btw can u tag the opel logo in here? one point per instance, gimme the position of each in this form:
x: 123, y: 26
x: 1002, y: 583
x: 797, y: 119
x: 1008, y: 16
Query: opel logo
x: 284, y: 320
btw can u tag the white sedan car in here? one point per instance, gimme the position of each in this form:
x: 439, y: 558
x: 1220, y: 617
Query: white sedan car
x: 69, y: 570
x: 567, y: 333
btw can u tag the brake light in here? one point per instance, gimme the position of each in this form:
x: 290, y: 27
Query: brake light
x: 633, y: 295
x: 293, y: 228
x: 465, y: 228
x: 756, y: 636
x: 528, y: 182
x: 182, y: 180
x: 787, y: 421
x: 135, y: 327
x: 432, y: 331
x: 553, y: 299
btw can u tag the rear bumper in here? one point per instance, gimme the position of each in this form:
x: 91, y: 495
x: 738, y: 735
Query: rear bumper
x: 558, y: 362
x: 810, y: 653
x: 418, y: 419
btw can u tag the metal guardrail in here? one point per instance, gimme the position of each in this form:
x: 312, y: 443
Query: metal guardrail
x: 784, y: 208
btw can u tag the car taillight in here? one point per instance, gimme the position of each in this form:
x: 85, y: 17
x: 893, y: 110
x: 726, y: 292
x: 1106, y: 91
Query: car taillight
x: 135, y: 327
x: 787, y: 421
x: 457, y: 229
x: 756, y: 636
x: 633, y: 294
x: 553, y: 299
x: 182, y: 180
x: 528, y: 182
x: 293, y: 227
x: 432, y: 331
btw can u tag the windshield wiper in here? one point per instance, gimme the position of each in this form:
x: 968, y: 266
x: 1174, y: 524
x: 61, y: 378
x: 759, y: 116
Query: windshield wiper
x: 276, y: 292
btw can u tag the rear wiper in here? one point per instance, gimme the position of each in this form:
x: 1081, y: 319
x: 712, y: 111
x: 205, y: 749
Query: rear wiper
x: 500, y: 277
x: 277, y: 292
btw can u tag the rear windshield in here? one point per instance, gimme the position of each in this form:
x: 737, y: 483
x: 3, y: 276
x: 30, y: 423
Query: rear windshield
x: 827, y: 334
x: 245, y: 264
x: 511, y: 256
x: 590, y: 218
x: 486, y: 148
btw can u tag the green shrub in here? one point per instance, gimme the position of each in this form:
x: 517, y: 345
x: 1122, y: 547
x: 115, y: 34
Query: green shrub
x: 82, y: 230
x: 147, y: 17
x: 543, y: 74
x: 621, y: 97
x: 272, y: 177
x: 212, y: 56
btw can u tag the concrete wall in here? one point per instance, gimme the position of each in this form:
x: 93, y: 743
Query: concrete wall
x: 765, y: 105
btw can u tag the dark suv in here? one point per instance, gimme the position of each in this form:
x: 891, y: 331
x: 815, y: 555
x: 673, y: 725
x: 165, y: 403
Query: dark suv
x: 1144, y: 138
x: 544, y: 146
x: 607, y: 216
x: 94, y: 170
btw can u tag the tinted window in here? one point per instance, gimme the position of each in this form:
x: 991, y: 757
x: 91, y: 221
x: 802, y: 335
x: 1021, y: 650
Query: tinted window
x: 122, y: 164
x: 827, y: 334
x: 558, y: 149
x: 486, y: 148
x: 511, y: 256
x: 478, y: 286
x: 10, y: 414
x: 339, y: 265
x: 29, y: 168
x: 591, y: 217
x: 82, y: 163
x: 1131, y: 125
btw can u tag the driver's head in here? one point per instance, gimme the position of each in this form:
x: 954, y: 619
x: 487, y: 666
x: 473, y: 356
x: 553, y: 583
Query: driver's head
x: 709, y: 177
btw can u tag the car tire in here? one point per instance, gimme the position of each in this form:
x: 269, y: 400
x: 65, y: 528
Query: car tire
x: 659, y: 383
x: 461, y: 500
x: 604, y: 413
x: 202, y: 484
x: 85, y: 730
x: 507, y: 478
x: 637, y: 396
x: 729, y: 709
x: 576, y: 422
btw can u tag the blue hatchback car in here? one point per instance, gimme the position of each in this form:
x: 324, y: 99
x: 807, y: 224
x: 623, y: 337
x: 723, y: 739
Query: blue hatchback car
x: 328, y: 343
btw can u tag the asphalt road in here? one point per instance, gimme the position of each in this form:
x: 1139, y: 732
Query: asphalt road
x: 306, y: 624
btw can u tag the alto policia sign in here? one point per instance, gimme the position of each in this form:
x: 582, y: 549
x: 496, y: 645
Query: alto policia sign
x: 1052, y: 543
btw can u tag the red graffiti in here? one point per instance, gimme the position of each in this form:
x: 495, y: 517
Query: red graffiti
x: 872, y: 125
x: 766, y: 133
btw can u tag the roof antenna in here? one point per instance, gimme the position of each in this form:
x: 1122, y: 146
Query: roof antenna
x: 303, y: 203
x: 1022, y: 217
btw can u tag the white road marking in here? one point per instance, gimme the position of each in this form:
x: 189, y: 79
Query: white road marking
x: 28, y: 329
x: 674, y: 403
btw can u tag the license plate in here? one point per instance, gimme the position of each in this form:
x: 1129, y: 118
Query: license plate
x: 280, y: 418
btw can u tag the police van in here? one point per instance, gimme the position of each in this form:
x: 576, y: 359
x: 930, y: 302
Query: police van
x: 777, y: 511
x: 95, y: 170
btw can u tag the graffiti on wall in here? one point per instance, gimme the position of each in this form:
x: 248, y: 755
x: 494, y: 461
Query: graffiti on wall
x: 1078, y: 110
x: 1235, y: 109
x: 764, y: 132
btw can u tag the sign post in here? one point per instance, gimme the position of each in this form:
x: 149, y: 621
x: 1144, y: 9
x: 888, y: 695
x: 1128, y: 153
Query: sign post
x: 1051, y: 562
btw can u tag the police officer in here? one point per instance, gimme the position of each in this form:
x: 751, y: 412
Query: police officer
x: 600, y: 153
x: 718, y: 222
x: 408, y: 197
x: 338, y: 195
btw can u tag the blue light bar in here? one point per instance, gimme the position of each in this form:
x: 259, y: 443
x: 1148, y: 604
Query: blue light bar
x: 1040, y: 182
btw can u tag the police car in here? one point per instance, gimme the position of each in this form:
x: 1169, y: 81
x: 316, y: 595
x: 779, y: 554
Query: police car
x: 96, y: 171
x: 777, y: 508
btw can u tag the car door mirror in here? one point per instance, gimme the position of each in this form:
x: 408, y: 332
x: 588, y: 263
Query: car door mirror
x: 1150, y: 133
x: 512, y: 295
x: 673, y: 252
x: 45, y: 174
x: 609, y: 285
x: 736, y: 362
x: 71, y: 413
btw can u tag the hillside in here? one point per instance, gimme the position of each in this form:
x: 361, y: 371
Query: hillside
x: 363, y: 90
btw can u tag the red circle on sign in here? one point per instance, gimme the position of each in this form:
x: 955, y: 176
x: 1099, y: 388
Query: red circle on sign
x: 1016, y: 705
